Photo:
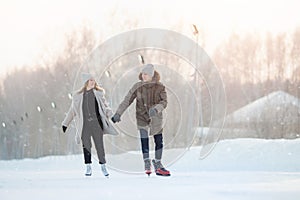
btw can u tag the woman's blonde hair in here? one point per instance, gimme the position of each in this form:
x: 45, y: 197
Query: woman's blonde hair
x: 96, y: 87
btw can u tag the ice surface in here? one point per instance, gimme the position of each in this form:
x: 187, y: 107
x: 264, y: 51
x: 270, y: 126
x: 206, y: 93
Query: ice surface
x: 237, y: 169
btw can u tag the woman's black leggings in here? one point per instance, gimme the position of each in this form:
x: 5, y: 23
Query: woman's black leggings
x: 92, y: 130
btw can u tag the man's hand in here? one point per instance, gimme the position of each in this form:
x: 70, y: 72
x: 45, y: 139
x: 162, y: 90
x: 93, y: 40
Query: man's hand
x: 152, y: 112
x: 116, y: 118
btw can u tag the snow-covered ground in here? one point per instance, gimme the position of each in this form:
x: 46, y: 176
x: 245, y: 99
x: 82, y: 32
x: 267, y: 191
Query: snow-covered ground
x: 236, y: 169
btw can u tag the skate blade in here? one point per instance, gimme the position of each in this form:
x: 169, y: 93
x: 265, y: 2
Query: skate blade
x: 158, y: 174
x: 148, y: 173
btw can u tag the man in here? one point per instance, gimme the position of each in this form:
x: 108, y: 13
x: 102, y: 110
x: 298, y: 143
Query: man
x: 151, y: 100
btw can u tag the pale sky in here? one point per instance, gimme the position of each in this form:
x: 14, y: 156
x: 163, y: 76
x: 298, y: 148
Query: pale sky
x: 30, y: 27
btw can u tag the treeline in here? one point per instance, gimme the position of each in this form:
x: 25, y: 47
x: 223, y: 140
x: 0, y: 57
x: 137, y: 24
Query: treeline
x: 34, y: 100
x: 255, y: 65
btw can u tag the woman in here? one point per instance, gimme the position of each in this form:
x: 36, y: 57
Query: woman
x: 151, y: 100
x: 90, y: 112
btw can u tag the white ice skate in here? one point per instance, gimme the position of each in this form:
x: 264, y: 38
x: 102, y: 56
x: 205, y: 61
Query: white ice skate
x: 104, y: 170
x: 88, y: 170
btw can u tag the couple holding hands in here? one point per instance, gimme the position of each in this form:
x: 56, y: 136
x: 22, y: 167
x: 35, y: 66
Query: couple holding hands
x: 91, y: 114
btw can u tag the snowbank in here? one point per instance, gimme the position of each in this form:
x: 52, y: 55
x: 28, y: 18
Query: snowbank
x: 228, y: 155
x: 244, y: 155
